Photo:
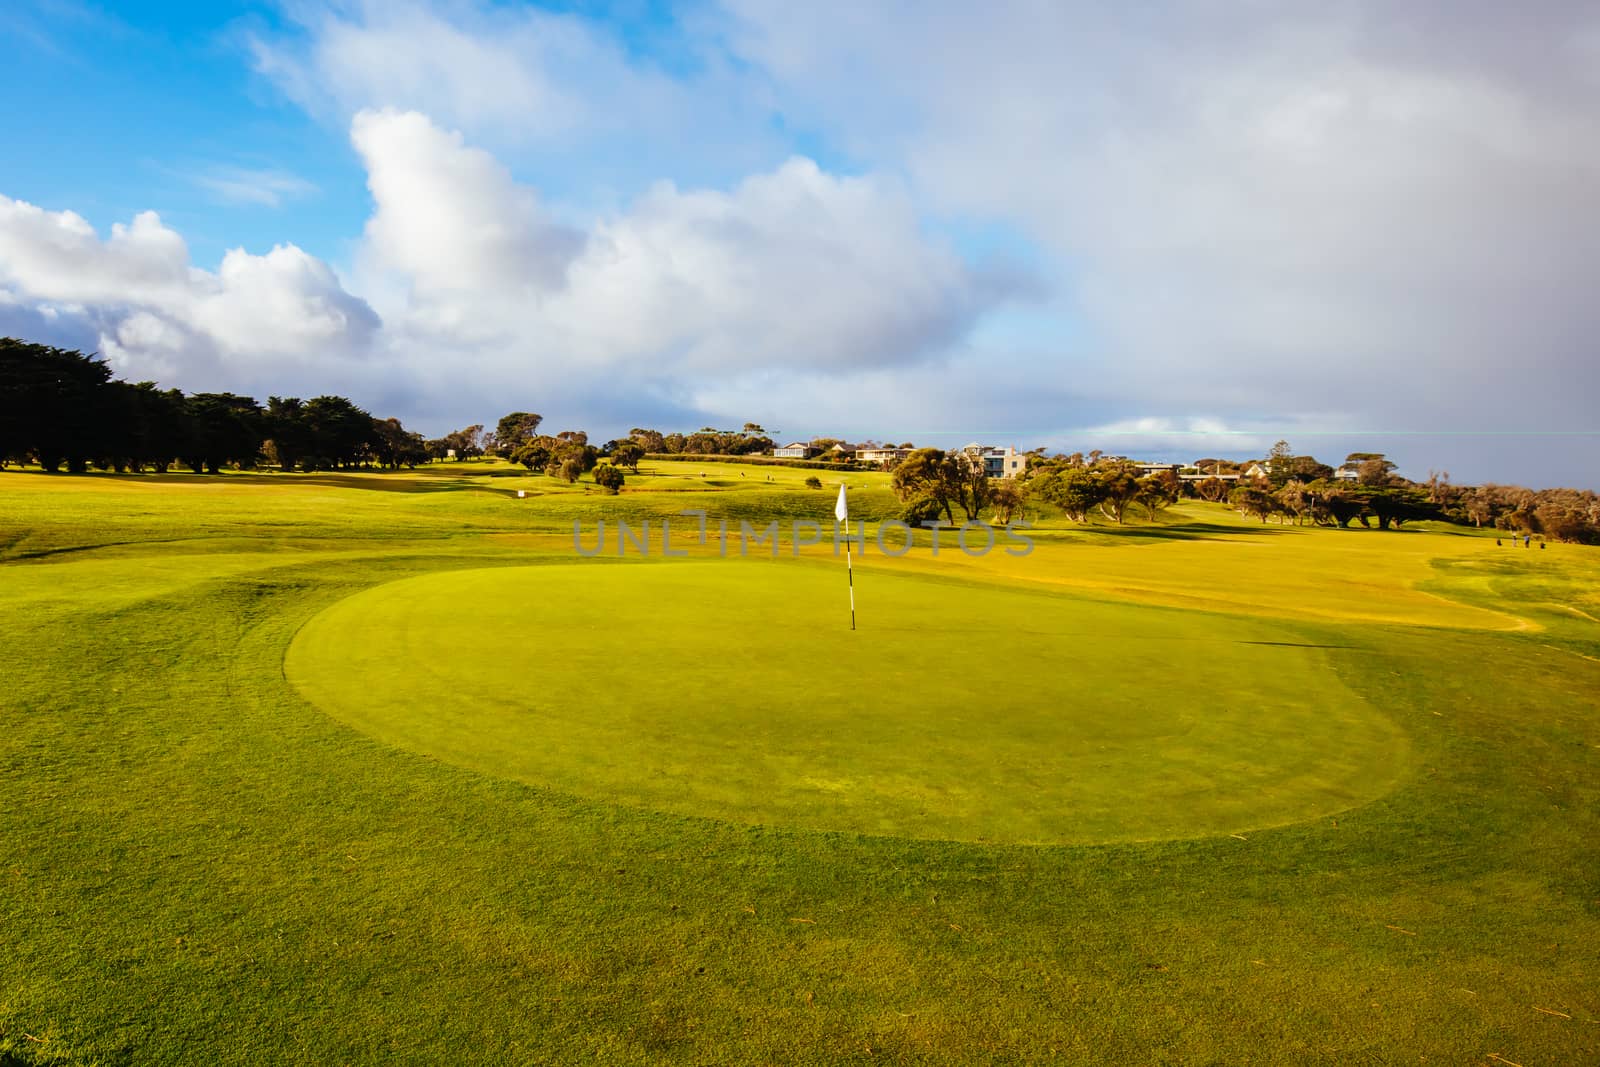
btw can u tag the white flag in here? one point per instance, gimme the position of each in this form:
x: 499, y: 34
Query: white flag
x: 841, y: 510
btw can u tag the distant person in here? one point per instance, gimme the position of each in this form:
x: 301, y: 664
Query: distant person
x: 1541, y: 546
x: 1525, y: 539
x: 1497, y: 543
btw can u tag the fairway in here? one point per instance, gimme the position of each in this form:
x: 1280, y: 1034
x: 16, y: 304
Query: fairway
x: 631, y: 683
x: 372, y: 768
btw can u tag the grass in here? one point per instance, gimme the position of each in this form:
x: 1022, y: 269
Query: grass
x: 202, y: 865
x: 711, y: 699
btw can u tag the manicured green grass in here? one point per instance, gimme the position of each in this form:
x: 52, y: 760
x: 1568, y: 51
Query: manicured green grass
x: 203, y: 866
x: 914, y: 725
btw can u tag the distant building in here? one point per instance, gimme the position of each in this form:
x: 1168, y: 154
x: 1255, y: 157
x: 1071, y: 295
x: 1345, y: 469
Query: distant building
x: 797, y: 450
x: 1196, y: 473
x: 1347, y: 473
x: 998, y: 462
x: 882, y: 457
x: 1147, y: 469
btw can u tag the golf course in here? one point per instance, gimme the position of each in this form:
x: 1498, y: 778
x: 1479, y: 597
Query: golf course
x: 421, y: 767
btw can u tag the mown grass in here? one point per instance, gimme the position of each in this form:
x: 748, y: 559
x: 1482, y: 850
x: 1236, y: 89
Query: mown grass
x: 744, y: 704
x: 203, y: 867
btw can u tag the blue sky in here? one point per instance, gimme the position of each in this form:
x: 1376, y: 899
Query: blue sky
x: 1175, y: 232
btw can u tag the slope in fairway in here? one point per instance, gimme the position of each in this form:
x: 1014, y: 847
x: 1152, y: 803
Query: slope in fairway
x: 735, y: 690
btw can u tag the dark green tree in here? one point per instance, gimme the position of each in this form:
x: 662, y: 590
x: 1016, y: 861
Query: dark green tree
x: 608, y: 477
x: 515, y: 430
x: 223, y: 430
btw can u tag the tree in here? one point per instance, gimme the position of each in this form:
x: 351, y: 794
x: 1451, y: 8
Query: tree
x: 607, y: 477
x: 625, y: 454
x: 923, y: 509
x: 1157, y: 491
x: 47, y: 403
x: 536, y: 453
x: 1007, y: 499
x: 1305, y: 468
x: 1336, y: 504
x: 1073, y: 489
x: 1252, y: 500
x: 1119, y: 487
x: 398, y: 447
x: 649, y: 440
x: 1481, y: 505
x: 1294, y: 500
x: 468, y: 442
x: 1397, y: 505
x: 223, y: 429
x: 928, y: 475
x: 1278, y: 459
x: 570, y: 451
x: 515, y: 430
x: 1371, y: 468
x: 338, y: 433
x: 971, y: 482
x: 286, y: 430
x: 1213, y: 489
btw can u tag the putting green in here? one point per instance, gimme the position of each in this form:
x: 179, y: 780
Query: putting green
x: 734, y: 690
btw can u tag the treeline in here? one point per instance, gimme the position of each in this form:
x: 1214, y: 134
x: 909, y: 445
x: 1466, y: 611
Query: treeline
x: 935, y: 484
x: 61, y: 408
x: 750, y: 440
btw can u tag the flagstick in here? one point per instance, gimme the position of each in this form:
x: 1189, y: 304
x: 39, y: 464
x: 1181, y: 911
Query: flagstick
x: 841, y: 513
x: 850, y: 576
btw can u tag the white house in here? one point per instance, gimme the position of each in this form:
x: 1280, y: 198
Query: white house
x: 882, y: 457
x: 797, y: 450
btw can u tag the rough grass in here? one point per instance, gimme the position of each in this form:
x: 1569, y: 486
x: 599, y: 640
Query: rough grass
x: 203, y: 867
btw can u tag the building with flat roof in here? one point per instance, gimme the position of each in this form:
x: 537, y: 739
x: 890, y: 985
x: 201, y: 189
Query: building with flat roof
x: 882, y: 457
x: 999, y: 462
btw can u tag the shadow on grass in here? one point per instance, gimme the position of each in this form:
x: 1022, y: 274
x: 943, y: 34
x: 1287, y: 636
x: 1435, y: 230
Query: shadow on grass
x: 1188, y: 531
x: 1298, y: 644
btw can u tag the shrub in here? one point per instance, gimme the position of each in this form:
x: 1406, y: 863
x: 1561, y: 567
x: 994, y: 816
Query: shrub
x: 813, y: 482
x: 608, y: 477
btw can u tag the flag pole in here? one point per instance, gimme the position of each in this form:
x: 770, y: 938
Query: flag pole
x: 850, y: 576
x: 841, y: 512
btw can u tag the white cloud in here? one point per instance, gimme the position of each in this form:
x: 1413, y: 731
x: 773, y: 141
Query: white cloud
x: 157, y: 314
x: 449, y: 217
x: 525, y: 81
x: 795, y: 268
x: 1268, y: 211
x: 790, y: 274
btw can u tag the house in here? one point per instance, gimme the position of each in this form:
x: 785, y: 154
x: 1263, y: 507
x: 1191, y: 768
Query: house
x: 998, y: 462
x: 1196, y: 473
x: 1147, y: 469
x: 1255, y: 470
x: 797, y: 450
x: 882, y: 457
x: 1347, y: 473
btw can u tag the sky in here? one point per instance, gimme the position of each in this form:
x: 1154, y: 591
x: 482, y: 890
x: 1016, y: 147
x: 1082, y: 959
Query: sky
x: 1168, y: 230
